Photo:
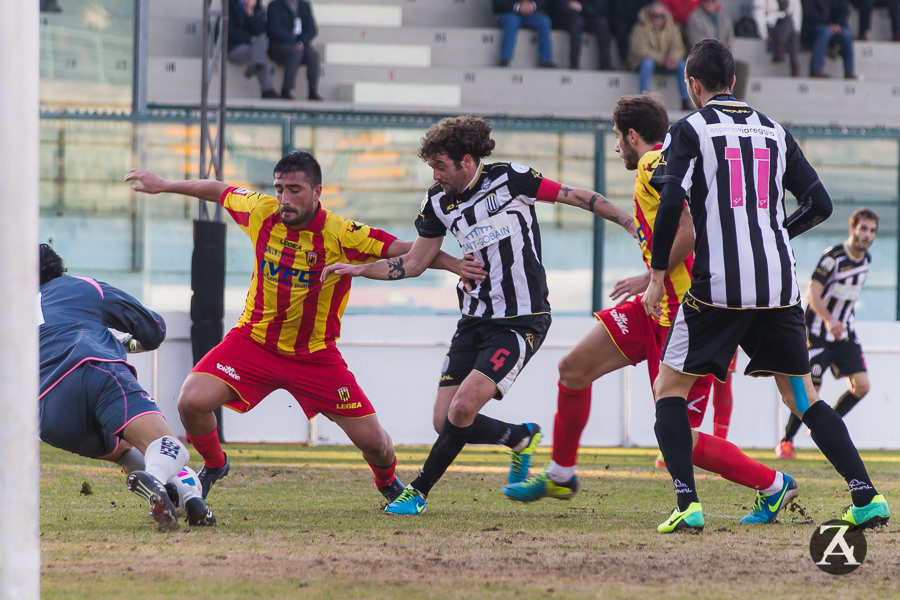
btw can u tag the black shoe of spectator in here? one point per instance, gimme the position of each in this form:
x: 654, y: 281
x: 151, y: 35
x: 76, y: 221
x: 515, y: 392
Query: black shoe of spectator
x: 853, y: 76
x: 686, y: 104
x: 547, y: 65
x: 819, y: 75
x: 269, y: 94
x: 314, y: 96
x: 504, y: 62
x: 287, y: 95
x: 252, y: 70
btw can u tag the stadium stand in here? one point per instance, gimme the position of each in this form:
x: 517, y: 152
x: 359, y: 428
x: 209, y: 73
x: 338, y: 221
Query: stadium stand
x: 439, y: 56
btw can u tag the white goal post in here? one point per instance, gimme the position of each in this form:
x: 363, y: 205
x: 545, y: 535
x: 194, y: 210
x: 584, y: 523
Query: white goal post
x: 19, y: 201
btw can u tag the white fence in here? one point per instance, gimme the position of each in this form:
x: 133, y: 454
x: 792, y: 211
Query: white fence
x: 397, y: 361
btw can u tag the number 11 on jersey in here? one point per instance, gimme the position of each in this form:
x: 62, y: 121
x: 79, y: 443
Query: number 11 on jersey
x: 761, y: 161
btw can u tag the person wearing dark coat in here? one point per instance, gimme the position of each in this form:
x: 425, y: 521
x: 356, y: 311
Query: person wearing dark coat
x: 247, y: 41
x: 291, y: 28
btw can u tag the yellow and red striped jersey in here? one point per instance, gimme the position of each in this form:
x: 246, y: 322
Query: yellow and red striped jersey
x: 646, y: 203
x: 289, y: 309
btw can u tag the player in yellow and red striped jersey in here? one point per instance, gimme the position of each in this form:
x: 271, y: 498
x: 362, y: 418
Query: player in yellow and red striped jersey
x: 286, y: 336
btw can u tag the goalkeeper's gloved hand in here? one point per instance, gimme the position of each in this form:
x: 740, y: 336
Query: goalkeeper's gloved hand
x: 127, y: 340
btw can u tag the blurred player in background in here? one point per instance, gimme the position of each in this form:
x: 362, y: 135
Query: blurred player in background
x: 627, y: 336
x: 734, y: 164
x: 286, y: 337
x: 90, y: 400
x: 830, y: 319
x: 489, y: 208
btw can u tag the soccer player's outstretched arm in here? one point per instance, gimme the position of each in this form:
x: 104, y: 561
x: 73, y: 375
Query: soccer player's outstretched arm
x: 469, y: 268
x: 151, y: 183
x: 597, y: 204
x: 411, y: 264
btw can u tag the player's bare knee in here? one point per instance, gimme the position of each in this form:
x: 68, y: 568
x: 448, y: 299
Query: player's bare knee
x: 860, y: 389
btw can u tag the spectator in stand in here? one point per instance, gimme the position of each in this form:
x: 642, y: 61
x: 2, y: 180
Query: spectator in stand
x: 781, y: 21
x: 623, y: 17
x: 865, y: 8
x: 656, y: 44
x: 825, y: 26
x: 291, y: 27
x: 576, y: 16
x: 681, y: 10
x: 708, y: 21
x: 531, y: 14
x: 247, y: 41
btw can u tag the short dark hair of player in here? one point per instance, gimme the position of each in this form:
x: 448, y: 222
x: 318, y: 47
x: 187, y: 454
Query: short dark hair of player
x: 863, y: 213
x: 456, y: 137
x: 644, y: 114
x: 51, y: 264
x: 711, y: 63
x: 300, y: 160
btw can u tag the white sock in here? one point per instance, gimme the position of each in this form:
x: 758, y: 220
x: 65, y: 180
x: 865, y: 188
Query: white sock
x: 776, y: 485
x: 165, y: 457
x: 185, y: 491
x: 132, y: 461
x: 560, y: 474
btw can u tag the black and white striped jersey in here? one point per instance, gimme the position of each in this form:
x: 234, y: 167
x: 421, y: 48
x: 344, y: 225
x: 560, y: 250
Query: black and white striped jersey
x: 734, y: 164
x: 494, y: 219
x: 842, y: 278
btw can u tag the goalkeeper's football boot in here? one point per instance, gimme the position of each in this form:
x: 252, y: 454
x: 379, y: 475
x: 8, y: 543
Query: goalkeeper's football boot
x: 541, y: 486
x: 198, y: 513
x: 766, y: 507
x: 392, y: 490
x: 520, y: 456
x: 874, y: 514
x: 689, y: 520
x: 162, y: 509
x: 208, y: 476
x: 409, y: 502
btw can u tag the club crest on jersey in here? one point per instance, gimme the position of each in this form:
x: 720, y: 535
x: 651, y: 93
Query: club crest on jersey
x: 493, y: 205
x: 344, y: 402
x: 484, y: 233
x: 312, y: 258
x: 241, y: 191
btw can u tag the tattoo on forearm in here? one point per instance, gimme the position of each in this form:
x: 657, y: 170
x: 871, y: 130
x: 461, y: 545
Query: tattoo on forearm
x: 591, y: 202
x: 395, y: 268
x: 565, y: 191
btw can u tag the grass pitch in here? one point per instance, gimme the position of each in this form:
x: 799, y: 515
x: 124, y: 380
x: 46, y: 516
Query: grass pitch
x: 306, y: 522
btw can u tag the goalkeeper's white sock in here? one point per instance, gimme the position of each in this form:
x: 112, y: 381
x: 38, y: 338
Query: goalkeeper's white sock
x: 165, y: 457
x: 132, y: 461
x: 185, y: 491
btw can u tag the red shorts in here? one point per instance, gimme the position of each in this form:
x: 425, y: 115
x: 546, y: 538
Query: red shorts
x: 320, y: 382
x: 640, y: 338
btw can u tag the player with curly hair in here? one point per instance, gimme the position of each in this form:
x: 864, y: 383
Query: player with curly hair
x: 489, y: 209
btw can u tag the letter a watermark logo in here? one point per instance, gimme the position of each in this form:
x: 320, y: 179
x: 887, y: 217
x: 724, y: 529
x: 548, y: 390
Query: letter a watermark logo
x: 838, y: 547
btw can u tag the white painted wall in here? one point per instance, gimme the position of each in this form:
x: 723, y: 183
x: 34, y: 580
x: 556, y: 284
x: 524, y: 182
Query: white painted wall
x: 397, y: 360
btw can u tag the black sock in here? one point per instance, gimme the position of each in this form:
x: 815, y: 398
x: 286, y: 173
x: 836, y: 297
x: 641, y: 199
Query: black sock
x: 845, y: 403
x: 793, y: 426
x: 444, y: 451
x: 831, y: 436
x: 486, y: 430
x: 673, y: 433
